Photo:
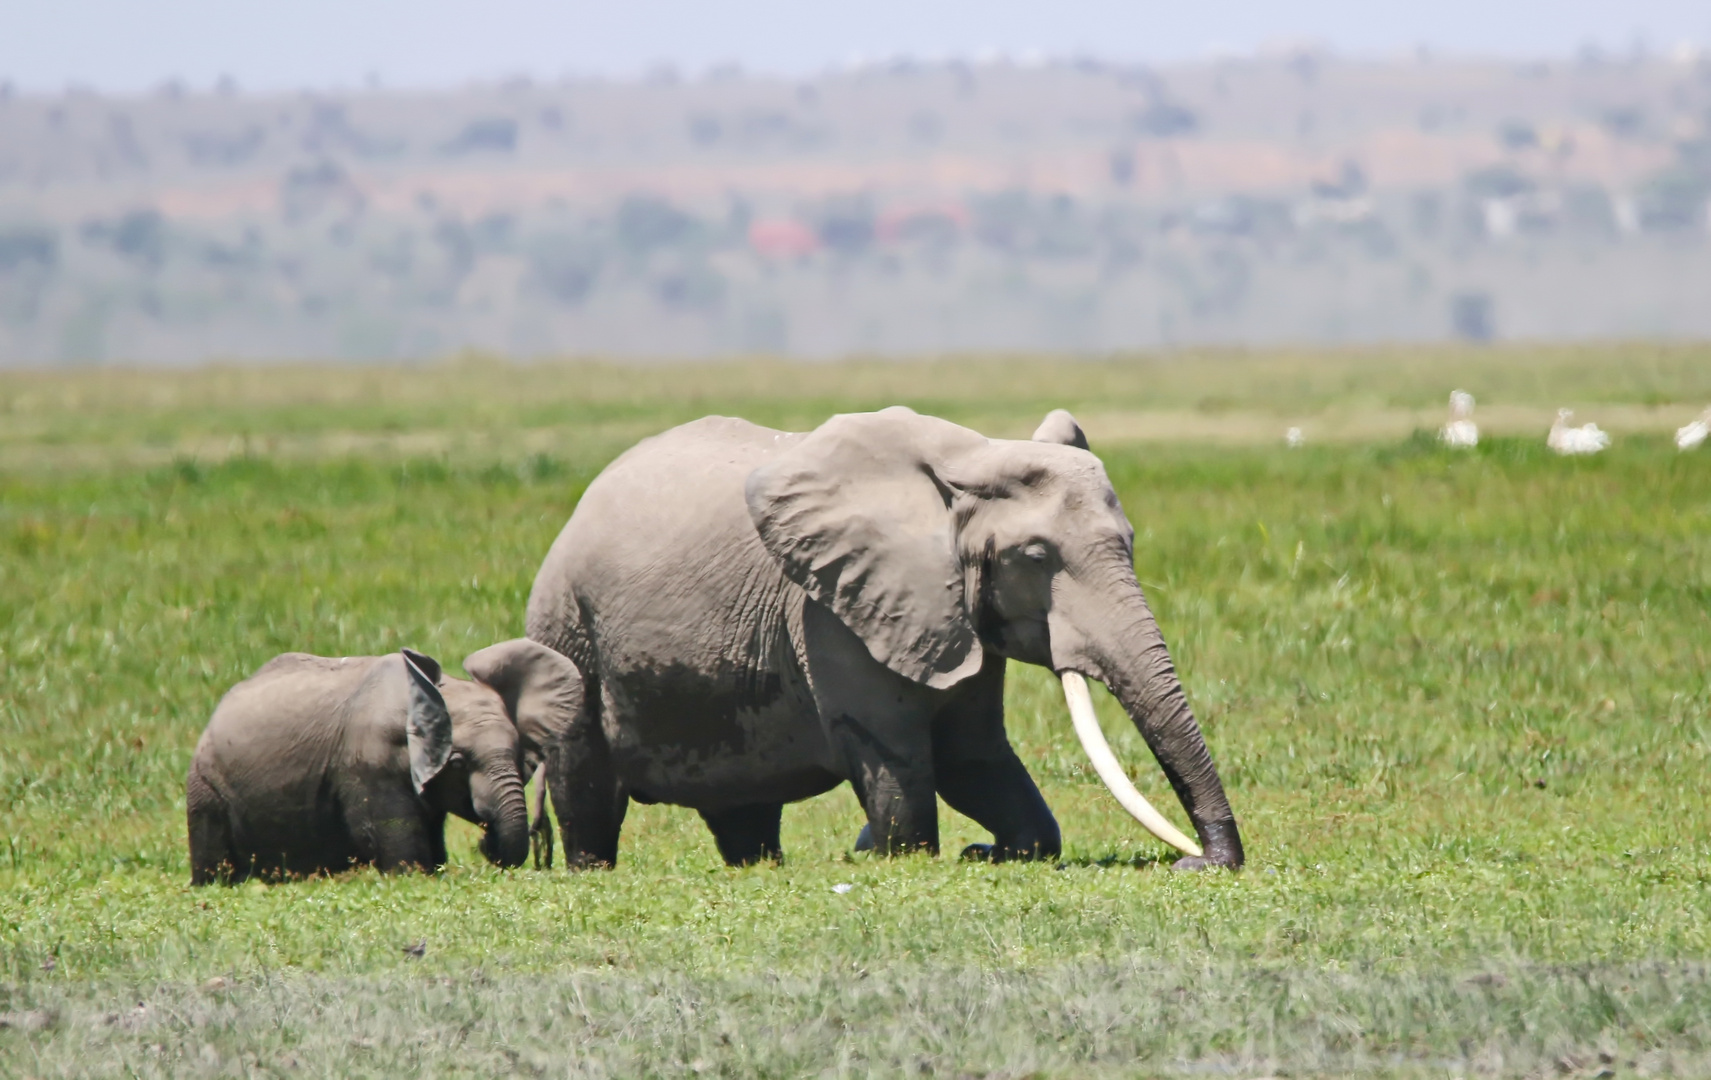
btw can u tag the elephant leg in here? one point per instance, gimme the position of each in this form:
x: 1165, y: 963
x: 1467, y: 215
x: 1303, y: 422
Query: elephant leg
x: 880, y: 726
x: 404, y: 839
x: 587, y: 797
x: 978, y: 773
x: 902, y: 812
x: 212, y: 858
x: 746, y: 834
x: 540, y: 823
x: 590, y: 818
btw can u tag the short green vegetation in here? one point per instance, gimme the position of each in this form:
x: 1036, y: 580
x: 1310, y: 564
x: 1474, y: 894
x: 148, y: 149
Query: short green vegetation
x: 1462, y: 703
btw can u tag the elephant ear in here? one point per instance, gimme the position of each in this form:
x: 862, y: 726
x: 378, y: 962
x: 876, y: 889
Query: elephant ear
x: 1060, y: 427
x: 858, y: 517
x: 428, y: 726
x: 542, y: 689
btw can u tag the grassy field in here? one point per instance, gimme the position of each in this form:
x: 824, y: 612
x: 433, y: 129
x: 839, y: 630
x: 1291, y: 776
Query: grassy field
x: 1462, y: 703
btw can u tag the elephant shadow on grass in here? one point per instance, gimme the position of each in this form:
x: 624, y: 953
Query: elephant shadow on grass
x: 984, y: 853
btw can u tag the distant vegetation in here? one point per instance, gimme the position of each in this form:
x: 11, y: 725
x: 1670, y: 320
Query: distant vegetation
x: 896, y: 209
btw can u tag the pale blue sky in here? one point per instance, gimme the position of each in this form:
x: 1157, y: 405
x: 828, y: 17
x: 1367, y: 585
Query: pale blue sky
x: 130, y: 45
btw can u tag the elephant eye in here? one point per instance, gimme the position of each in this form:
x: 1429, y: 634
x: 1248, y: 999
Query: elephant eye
x: 1035, y: 551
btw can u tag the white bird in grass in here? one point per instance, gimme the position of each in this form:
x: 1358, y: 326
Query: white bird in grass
x: 1461, y: 430
x: 1293, y: 438
x: 1586, y: 439
x: 1695, y: 433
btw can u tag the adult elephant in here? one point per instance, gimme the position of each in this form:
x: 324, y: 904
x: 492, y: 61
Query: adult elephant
x: 760, y: 615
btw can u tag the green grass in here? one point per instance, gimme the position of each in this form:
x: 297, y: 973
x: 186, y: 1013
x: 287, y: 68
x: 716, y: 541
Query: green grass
x: 1462, y: 703
x: 479, y: 408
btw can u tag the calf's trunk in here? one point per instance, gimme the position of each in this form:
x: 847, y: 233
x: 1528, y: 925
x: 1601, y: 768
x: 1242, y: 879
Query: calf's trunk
x: 505, y: 840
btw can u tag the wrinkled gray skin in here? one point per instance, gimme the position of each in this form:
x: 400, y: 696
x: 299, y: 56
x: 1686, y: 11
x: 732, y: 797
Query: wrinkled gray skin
x: 759, y: 616
x: 315, y: 765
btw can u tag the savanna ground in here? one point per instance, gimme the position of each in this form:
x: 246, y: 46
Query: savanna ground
x: 1461, y: 701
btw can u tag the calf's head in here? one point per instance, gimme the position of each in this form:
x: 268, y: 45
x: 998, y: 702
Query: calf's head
x: 473, y: 743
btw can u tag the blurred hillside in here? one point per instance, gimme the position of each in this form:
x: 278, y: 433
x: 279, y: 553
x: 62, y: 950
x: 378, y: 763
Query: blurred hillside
x: 897, y: 208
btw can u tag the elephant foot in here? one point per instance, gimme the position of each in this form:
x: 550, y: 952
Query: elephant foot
x: 1223, y: 847
x: 1000, y: 853
x: 747, y: 835
x: 541, y: 843
x: 1200, y: 862
x: 864, y: 842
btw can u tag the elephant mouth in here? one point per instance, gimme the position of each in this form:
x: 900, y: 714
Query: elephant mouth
x: 1105, y: 764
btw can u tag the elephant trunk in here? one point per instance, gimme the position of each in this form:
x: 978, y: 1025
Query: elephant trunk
x: 1129, y: 656
x: 505, y: 836
x: 1110, y: 770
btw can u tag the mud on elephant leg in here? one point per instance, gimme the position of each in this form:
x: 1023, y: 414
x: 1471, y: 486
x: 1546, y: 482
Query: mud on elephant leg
x: 746, y: 834
x: 590, y: 805
x: 894, y: 784
x: 1002, y: 797
x: 211, y: 851
x: 978, y: 774
x: 902, y: 809
x: 880, y: 725
x: 587, y: 798
x: 404, y: 836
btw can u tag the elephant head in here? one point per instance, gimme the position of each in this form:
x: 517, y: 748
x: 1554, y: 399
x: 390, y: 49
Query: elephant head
x: 541, y: 691
x: 936, y: 545
x: 465, y: 758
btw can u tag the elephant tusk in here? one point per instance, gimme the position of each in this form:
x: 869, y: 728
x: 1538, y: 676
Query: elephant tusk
x: 1105, y: 764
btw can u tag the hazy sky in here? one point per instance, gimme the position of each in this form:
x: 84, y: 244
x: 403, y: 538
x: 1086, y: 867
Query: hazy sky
x: 289, y: 44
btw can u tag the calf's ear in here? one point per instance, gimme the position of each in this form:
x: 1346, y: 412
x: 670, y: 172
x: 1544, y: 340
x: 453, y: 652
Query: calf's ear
x: 428, y: 727
x: 542, y: 689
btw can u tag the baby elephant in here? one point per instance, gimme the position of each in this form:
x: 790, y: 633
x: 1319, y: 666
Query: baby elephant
x: 316, y: 765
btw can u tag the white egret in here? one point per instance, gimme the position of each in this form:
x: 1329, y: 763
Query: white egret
x: 1686, y: 438
x: 1586, y: 439
x: 1461, y: 430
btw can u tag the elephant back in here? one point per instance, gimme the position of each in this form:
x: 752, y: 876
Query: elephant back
x: 664, y: 527
x: 291, y: 688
